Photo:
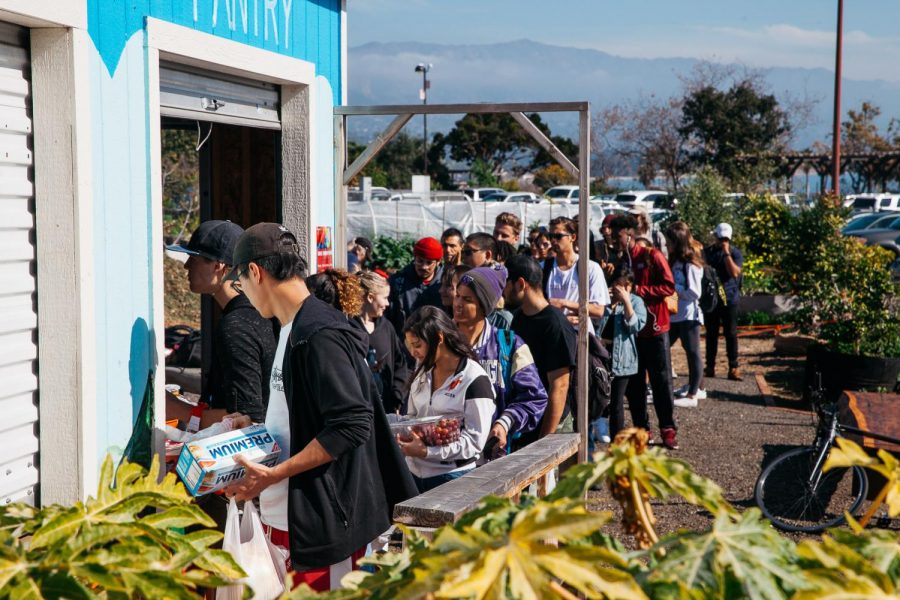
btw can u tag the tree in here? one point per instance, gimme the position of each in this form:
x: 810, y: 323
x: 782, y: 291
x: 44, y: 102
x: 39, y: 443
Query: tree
x: 860, y: 135
x: 401, y: 158
x: 644, y: 135
x: 552, y: 175
x: 180, y: 182
x: 721, y: 126
x: 499, y: 142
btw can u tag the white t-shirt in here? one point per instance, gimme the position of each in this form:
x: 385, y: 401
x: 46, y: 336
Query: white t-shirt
x: 564, y: 284
x: 273, y: 501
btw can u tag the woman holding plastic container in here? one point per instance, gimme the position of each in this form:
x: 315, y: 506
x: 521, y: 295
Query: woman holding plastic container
x: 447, y: 381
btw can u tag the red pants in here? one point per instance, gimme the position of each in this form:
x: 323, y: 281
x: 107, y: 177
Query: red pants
x: 319, y: 579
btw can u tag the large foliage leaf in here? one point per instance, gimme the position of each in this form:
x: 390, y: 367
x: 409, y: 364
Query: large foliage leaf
x: 848, y: 453
x: 741, y: 554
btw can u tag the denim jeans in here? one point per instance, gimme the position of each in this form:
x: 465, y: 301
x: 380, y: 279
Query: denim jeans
x: 654, y: 361
x: 429, y: 483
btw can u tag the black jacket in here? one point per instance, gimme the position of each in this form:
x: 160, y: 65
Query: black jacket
x: 390, y: 363
x: 409, y: 292
x: 339, y: 507
x: 242, y: 358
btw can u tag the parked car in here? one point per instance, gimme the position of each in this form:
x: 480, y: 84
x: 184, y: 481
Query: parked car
x: 860, y: 221
x: 495, y: 197
x: 886, y: 233
x: 563, y: 193
x: 647, y: 199
x: 607, y: 203
x: 478, y: 194
x: 875, y: 202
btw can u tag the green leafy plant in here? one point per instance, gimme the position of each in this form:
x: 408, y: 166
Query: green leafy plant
x: 702, y: 205
x: 392, y: 254
x: 128, y: 541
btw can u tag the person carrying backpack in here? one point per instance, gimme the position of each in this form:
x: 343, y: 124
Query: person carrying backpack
x: 687, y: 270
x: 520, y: 396
x: 727, y: 262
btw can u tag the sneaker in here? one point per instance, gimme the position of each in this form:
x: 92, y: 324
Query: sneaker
x: 682, y: 391
x: 668, y: 438
x: 701, y: 394
x: 686, y: 402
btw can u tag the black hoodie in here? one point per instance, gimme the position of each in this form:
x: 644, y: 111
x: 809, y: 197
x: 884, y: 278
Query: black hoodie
x: 339, y: 507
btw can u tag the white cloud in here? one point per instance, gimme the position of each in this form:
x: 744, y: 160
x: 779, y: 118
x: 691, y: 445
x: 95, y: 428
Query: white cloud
x: 779, y: 45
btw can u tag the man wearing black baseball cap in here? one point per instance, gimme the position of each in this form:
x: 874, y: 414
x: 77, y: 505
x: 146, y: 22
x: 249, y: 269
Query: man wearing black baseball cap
x: 340, y: 471
x: 244, y: 342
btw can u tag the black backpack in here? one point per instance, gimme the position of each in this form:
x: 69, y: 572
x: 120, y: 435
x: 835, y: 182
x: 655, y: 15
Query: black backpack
x: 185, y: 344
x: 709, y: 290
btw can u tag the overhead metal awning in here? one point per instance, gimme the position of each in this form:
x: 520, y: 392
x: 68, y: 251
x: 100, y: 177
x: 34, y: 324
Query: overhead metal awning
x: 189, y: 93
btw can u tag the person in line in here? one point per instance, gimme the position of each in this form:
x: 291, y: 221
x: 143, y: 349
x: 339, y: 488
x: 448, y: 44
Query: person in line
x: 508, y: 228
x: 728, y: 262
x: 607, y: 254
x: 359, y: 254
x: 687, y: 271
x: 448, y: 287
x: 623, y: 319
x: 499, y: 318
x: 480, y: 249
x: 340, y: 471
x: 244, y: 347
x: 505, y: 250
x: 547, y: 333
x: 561, y: 275
x: 417, y: 284
x: 452, y: 243
x: 647, y: 233
x: 448, y: 380
x: 520, y: 396
x: 385, y: 356
x: 541, y: 248
x: 338, y: 288
x: 653, y: 282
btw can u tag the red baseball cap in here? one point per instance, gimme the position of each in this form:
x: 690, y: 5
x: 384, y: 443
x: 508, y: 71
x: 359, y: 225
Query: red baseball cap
x: 428, y: 248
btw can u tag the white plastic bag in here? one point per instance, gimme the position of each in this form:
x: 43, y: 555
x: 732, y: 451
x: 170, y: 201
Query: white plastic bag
x: 247, y: 543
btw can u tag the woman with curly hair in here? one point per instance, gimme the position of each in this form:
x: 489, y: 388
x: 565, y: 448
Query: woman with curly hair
x: 338, y: 288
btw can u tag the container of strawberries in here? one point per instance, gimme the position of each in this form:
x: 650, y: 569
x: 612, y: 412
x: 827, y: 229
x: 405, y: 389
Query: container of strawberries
x: 438, y: 430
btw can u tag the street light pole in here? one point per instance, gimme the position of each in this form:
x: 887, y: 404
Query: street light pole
x: 424, y: 68
x: 836, y: 132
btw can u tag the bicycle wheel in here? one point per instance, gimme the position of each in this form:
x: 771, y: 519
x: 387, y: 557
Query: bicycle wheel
x: 786, y: 498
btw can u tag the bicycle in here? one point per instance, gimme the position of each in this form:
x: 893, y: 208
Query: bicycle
x: 796, y: 495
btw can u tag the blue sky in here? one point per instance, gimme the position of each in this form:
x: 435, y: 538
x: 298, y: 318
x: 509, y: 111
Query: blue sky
x: 758, y: 33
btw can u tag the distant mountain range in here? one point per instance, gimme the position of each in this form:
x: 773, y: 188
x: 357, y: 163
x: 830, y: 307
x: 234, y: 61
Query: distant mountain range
x: 524, y: 70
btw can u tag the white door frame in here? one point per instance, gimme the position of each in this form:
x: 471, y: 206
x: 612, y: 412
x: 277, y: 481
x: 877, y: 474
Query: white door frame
x: 174, y: 43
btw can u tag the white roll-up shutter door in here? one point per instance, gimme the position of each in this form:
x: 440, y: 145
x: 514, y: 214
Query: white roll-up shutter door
x: 18, y: 295
x: 189, y: 93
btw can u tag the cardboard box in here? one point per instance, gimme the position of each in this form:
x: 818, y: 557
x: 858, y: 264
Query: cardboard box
x: 208, y: 465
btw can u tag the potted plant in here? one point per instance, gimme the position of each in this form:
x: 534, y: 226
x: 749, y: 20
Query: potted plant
x: 845, y: 298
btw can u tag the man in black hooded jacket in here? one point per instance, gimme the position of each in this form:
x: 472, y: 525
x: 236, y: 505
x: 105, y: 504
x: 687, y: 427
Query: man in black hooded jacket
x: 340, y: 472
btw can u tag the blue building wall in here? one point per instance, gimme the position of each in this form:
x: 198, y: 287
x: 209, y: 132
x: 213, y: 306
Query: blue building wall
x: 121, y: 165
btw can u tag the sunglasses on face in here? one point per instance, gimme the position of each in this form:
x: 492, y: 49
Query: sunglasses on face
x: 557, y: 236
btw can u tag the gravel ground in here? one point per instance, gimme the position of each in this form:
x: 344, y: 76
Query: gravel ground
x: 732, y: 434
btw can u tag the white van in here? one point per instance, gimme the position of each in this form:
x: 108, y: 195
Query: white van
x: 478, y: 194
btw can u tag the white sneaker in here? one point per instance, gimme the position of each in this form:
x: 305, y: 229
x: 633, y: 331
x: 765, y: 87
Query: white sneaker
x: 686, y: 402
x: 701, y: 394
x: 682, y: 391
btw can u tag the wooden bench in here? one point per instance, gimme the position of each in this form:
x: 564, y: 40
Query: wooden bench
x: 506, y: 476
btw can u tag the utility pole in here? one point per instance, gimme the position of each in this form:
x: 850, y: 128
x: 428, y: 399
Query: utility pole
x: 423, y: 94
x: 836, y: 132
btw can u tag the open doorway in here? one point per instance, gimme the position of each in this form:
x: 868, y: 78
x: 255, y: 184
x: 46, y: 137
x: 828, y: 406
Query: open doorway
x: 209, y: 171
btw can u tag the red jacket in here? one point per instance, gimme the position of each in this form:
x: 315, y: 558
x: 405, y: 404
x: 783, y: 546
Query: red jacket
x: 653, y: 281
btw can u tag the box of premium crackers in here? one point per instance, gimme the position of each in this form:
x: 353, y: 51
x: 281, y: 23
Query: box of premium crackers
x: 208, y: 465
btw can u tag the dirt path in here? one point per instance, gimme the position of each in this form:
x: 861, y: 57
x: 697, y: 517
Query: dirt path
x: 732, y: 433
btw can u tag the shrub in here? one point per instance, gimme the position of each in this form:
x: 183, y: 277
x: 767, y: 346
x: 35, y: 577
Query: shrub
x: 392, y: 254
x: 702, y: 206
